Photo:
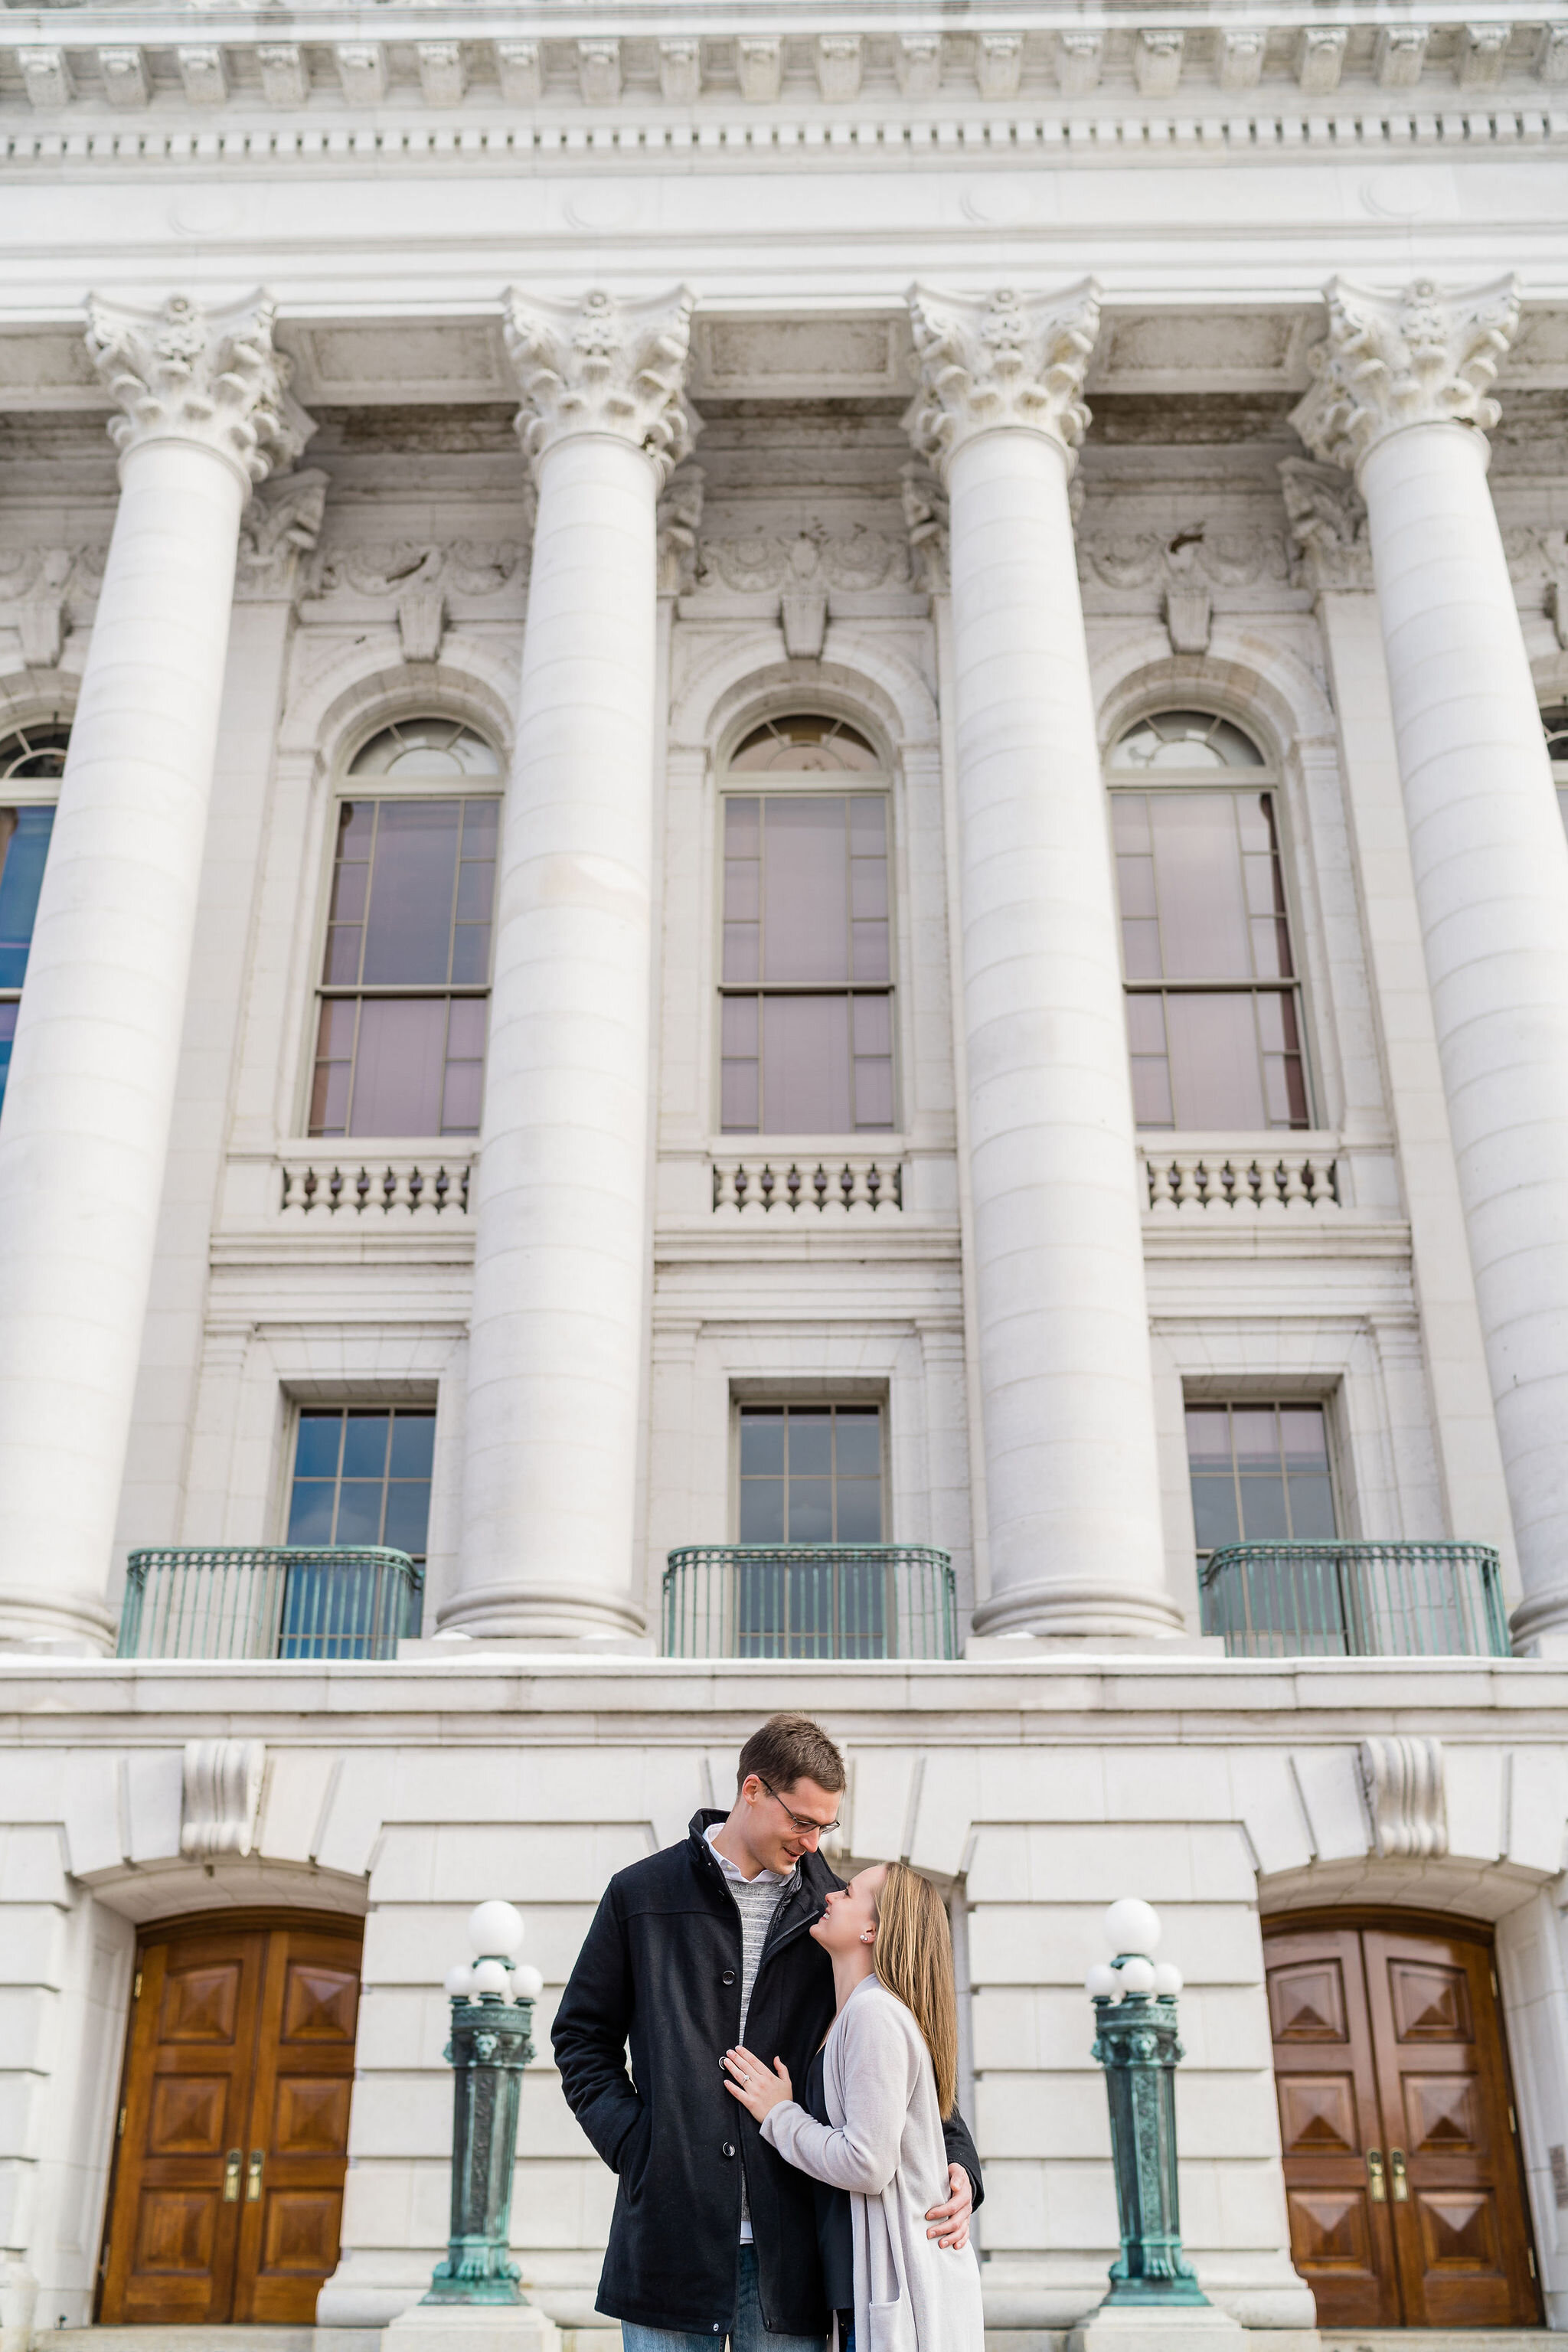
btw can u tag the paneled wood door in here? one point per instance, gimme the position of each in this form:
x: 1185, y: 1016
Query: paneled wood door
x: 233, y: 2137
x: 1402, y: 2169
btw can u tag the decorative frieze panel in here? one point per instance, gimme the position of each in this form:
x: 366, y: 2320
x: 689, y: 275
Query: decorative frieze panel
x: 50, y: 591
x: 857, y: 560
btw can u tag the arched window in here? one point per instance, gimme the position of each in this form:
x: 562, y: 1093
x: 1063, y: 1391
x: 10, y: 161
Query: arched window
x: 400, y: 1035
x: 807, y: 985
x: 32, y: 762
x: 1214, y: 1012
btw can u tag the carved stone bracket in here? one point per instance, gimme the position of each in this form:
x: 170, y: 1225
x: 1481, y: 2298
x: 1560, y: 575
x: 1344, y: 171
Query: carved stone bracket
x: 680, y: 520
x: 603, y: 366
x: 1422, y: 356
x: 185, y: 373
x: 1402, y: 1779
x: 1003, y: 359
x: 1328, y: 524
x: 279, y: 526
x: 926, y: 519
x: 220, y: 1795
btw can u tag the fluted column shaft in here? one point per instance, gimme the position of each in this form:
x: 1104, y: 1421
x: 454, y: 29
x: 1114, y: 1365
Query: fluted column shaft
x: 555, y: 1351
x: 85, y: 1132
x: 1402, y: 396
x: 1068, y: 1399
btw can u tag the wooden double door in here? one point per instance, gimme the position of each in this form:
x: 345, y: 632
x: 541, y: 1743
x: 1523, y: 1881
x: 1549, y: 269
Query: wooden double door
x: 1402, y: 2173
x: 234, y: 2121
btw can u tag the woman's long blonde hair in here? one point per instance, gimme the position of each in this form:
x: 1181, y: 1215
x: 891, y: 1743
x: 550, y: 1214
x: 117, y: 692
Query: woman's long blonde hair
x: 913, y: 1958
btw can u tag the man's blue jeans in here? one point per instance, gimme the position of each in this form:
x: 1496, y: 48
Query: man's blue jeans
x: 747, y: 2333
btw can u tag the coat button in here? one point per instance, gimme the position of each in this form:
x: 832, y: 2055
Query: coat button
x: 729, y: 2147
x: 728, y: 1977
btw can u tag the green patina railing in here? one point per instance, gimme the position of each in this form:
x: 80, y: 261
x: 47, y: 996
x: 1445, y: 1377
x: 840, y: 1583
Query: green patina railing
x: 269, y: 1600
x: 1356, y: 1601
x: 809, y: 1601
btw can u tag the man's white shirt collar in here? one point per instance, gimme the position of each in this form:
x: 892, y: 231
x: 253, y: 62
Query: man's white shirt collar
x: 771, y: 1877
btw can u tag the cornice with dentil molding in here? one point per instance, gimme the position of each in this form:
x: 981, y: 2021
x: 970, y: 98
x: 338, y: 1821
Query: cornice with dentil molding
x: 603, y: 366
x: 1328, y: 523
x: 1000, y: 360
x: 186, y: 373
x: 1425, y: 355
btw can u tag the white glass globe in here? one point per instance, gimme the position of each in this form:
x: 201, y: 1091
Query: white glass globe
x: 459, y: 1981
x: 1167, y: 1979
x: 495, y: 1931
x: 493, y: 1977
x: 1133, y: 1926
x: 527, y: 1984
x: 1137, y: 1976
x: 1103, y: 1982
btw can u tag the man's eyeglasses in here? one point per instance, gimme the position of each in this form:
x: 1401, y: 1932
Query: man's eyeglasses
x: 823, y: 1829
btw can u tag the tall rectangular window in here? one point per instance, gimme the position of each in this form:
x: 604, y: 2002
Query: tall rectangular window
x: 811, y: 1473
x: 1260, y: 1474
x: 24, y: 847
x: 806, y: 988
x: 362, y: 1480
x: 1213, y: 1001
x: 404, y: 977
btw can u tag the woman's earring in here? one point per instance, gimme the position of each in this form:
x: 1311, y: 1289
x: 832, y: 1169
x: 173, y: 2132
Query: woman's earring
x: 868, y: 1935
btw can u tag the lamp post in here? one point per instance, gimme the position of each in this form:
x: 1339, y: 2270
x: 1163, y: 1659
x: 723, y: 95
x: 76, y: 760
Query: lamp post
x: 1135, y: 2042
x: 1155, y: 2293
x: 492, y: 2041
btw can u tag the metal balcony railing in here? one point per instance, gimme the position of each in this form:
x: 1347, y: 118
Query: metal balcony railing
x: 268, y: 1600
x: 1356, y: 1601
x: 809, y: 1601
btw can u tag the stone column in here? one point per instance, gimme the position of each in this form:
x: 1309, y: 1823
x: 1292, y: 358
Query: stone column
x: 555, y: 1351
x: 1402, y: 397
x: 83, y: 1142
x: 1076, y: 1545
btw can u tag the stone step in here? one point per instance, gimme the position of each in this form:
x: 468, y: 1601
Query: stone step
x: 1438, y: 2339
x: 174, y: 2339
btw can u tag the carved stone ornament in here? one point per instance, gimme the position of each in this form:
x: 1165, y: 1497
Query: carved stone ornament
x: 1194, y: 556
x: 925, y: 518
x: 1328, y: 524
x: 854, y: 561
x: 1003, y: 359
x: 1402, y: 1779
x: 280, y: 525
x: 1423, y: 356
x: 52, y: 590
x: 220, y: 1794
x: 679, y: 520
x: 466, y: 567
x: 189, y: 374
x: 603, y: 366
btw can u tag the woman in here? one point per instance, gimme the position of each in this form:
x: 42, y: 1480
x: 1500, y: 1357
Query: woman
x: 889, y: 2068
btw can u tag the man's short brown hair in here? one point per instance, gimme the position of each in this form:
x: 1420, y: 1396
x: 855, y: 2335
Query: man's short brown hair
x: 791, y: 1748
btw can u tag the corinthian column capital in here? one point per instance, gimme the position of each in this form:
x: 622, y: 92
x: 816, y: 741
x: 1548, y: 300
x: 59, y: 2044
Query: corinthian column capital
x: 1003, y: 359
x: 1423, y: 356
x: 603, y: 366
x: 185, y: 373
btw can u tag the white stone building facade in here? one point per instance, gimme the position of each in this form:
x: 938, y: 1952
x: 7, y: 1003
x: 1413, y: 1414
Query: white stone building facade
x: 777, y: 778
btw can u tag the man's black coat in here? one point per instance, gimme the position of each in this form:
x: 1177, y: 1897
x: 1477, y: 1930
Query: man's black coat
x: 660, y: 1969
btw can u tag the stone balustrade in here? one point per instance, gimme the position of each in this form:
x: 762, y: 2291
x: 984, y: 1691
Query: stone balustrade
x: 1207, y: 1172
x: 759, y: 1185
x: 421, y: 1184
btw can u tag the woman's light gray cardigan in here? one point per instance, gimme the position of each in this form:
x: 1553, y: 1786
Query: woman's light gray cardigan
x: 885, y: 2147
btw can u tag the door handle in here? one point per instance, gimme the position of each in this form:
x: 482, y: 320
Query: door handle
x: 1396, y: 2173
x: 253, y: 2177
x: 1376, y: 2188
x: 231, y: 2177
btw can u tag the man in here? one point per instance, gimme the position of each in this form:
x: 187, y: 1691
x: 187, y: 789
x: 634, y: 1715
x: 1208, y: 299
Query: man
x: 695, y: 1949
